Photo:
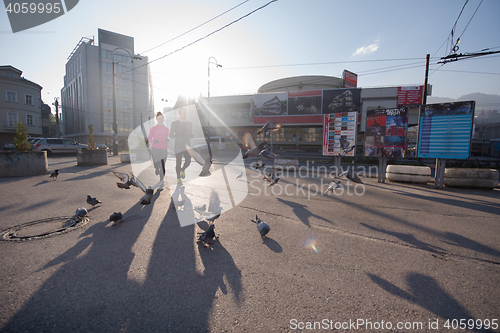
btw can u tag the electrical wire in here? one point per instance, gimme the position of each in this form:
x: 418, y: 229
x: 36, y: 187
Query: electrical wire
x: 168, y: 41
x: 206, y: 36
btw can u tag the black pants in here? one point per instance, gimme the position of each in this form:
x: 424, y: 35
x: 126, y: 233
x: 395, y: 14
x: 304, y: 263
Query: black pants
x: 178, y: 162
x: 159, y: 158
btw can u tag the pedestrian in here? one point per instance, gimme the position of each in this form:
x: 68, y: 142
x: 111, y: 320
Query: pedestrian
x: 158, y: 137
x: 182, y: 132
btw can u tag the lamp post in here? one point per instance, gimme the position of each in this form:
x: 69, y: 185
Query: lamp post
x: 217, y: 66
x: 115, y: 122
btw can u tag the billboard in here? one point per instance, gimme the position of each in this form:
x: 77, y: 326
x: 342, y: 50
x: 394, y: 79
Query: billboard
x: 341, y: 100
x: 350, y: 79
x: 445, y: 130
x: 410, y: 95
x: 385, y: 134
x: 336, y: 126
x: 270, y: 104
x: 304, y: 102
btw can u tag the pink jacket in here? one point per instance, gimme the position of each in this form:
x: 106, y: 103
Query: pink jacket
x: 158, y: 136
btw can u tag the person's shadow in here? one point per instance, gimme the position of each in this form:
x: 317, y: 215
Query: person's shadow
x: 426, y: 292
x: 90, y: 291
x: 182, y: 280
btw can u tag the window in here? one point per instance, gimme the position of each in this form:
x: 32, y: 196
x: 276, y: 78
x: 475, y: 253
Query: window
x: 39, y: 121
x: 12, y: 119
x: 28, y: 99
x: 30, y: 120
x: 10, y: 96
x: 10, y: 74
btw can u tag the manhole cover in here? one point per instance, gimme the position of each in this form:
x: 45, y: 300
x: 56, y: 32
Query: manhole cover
x: 43, y: 228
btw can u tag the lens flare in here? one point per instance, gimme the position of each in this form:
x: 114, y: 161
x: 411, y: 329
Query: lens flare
x: 310, y: 244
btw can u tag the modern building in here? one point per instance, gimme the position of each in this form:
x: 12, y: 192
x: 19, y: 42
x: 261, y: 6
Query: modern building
x: 300, y: 105
x: 88, y: 94
x: 20, y: 100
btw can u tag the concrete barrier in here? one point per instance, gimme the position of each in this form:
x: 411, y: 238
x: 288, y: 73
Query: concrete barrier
x: 125, y: 158
x: 17, y: 164
x: 91, y: 157
x: 408, y: 174
x: 471, y: 178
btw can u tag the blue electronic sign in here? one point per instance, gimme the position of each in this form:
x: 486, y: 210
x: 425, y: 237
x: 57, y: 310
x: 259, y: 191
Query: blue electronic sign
x: 445, y: 130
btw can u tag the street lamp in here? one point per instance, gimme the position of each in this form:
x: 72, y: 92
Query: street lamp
x: 217, y: 66
x: 115, y: 122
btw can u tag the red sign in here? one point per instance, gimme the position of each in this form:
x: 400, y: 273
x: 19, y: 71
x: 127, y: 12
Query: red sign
x: 410, y: 95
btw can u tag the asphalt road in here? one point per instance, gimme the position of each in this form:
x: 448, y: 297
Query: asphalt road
x: 376, y: 257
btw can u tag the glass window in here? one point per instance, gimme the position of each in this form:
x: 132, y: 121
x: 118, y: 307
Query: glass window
x: 12, y: 118
x: 30, y: 120
x: 10, y: 96
x: 10, y: 74
x: 29, y: 99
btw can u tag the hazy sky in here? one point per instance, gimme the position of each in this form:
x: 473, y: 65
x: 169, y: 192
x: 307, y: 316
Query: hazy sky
x: 384, y: 42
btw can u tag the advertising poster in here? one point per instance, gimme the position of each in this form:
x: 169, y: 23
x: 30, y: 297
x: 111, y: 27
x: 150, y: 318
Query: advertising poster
x: 270, y: 104
x: 445, y: 130
x: 304, y: 102
x: 341, y: 100
x: 410, y: 95
x: 385, y: 134
x: 336, y: 126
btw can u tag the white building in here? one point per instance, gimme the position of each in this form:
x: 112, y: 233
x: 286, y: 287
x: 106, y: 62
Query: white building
x: 87, y: 96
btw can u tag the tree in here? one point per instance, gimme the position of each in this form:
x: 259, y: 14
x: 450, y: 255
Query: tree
x: 21, y: 138
x: 91, y: 137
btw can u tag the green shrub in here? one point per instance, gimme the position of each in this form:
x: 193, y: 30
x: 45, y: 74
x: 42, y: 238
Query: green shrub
x: 21, y: 138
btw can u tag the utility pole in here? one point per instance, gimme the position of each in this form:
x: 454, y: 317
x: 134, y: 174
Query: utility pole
x: 56, y: 104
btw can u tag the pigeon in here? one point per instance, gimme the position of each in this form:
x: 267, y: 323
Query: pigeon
x: 251, y: 146
x: 346, y: 146
x: 148, y: 191
x: 54, y: 174
x: 272, y: 178
x: 240, y: 175
x: 148, y: 195
x: 343, y: 174
x: 179, y: 203
x: 81, y: 212
x: 125, y: 178
x: 270, y: 126
x: 332, y: 187
x: 262, y: 226
x: 207, y: 236
x: 206, y: 163
x: 92, y: 201
x: 267, y: 153
x: 116, y: 217
x: 259, y: 164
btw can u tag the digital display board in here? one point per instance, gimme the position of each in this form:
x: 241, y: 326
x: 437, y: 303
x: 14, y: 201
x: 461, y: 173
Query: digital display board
x: 445, y: 130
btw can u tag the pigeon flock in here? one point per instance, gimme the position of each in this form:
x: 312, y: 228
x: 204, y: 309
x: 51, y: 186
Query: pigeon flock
x: 213, y: 211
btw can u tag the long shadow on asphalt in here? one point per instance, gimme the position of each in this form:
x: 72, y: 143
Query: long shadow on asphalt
x: 479, y: 205
x: 424, y: 291
x: 447, y: 237
x: 90, y: 291
x: 407, y: 238
x: 302, y: 212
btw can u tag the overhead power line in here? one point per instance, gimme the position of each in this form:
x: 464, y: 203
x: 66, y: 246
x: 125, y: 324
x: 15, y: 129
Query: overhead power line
x: 168, y: 41
x: 208, y: 35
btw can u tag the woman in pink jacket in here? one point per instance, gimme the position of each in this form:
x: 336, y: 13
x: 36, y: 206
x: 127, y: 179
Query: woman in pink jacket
x: 158, y: 138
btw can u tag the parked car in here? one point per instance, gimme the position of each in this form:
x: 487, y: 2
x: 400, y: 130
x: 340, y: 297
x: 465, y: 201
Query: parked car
x: 9, y: 146
x: 101, y: 146
x: 54, y: 146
